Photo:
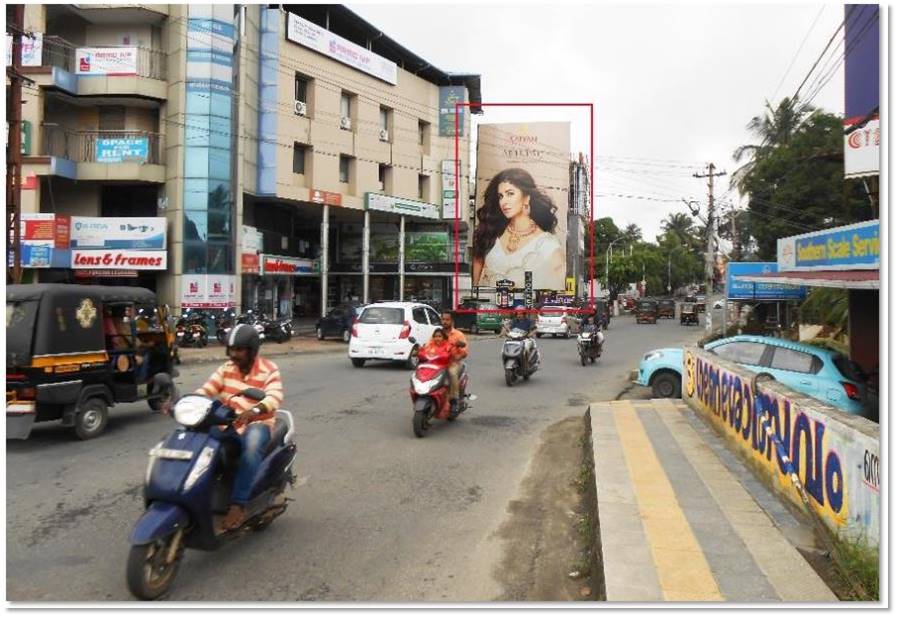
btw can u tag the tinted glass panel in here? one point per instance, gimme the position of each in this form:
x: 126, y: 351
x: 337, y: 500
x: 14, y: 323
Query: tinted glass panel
x: 790, y: 360
x: 743, y: 353
x: 435, y: 319
x: 849, y: 369
x: 20, y: 317
x: 383, y: 315
x: 419, y: 315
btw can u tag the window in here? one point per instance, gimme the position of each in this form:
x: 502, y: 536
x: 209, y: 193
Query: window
x: 384, y: 118
x: 423, y: 186
x: 299, y: 158
x: 419, y: 315
x: 786, y: 359
x: 302, y: 88
x: 112, y: 118
x: 344, y: 165
x: 435, y: 319
x: 383, y: 315
x: 383, y: 176
x: 345, y: 105
x: 423, y: 129
x: 742, y: 353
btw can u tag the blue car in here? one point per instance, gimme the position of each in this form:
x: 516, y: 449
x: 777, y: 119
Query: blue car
x: 825, y: 375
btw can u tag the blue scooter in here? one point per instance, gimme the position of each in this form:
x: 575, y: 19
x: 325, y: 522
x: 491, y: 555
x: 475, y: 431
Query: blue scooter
x: 188, y: 486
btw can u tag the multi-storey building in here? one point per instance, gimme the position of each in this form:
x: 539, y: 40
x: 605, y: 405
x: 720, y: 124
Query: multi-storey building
x: 298, y: 156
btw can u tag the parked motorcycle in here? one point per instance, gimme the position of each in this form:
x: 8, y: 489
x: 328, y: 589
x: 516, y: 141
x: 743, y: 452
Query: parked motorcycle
x: 224, y: 323
x: 520, y: 356
x: 188, y: 486
x: 430, y: 391
x: 251, y: 318
x: 589, y: 345
x: 190, y: 329
x: 277, y: 330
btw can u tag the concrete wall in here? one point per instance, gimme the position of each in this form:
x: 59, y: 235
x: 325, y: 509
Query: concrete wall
x: 836, y: 454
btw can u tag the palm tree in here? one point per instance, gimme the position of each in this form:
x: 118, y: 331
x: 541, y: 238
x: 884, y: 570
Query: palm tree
x: 632, y: 233
x: 774, y: 128
x: 679, y: 226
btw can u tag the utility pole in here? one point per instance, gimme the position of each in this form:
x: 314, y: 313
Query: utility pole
x: 709, y: 261
x: 15, y: 20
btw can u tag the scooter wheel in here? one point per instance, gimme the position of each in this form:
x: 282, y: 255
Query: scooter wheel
x: 420, y: 424
x: 594, y: 360
x: 510, y: 377
x: 149, y: 577
x: 582, y: 359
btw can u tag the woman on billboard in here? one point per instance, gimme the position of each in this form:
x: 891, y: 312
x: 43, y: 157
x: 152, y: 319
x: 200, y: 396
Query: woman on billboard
x: 515, y: 233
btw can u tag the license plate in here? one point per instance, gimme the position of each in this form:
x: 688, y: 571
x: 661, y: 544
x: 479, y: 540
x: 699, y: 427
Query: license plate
x: 375, y: 349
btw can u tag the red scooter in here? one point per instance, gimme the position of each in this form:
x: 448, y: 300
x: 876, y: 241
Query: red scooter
x: 430, y: 392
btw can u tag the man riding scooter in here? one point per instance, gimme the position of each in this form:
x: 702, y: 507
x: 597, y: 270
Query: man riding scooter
x: 522, y: 322
x: 458, y: 343
x: 252, y: 429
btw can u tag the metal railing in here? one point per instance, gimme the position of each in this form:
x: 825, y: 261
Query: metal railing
x: 102, y: 146
x: 57, y: 51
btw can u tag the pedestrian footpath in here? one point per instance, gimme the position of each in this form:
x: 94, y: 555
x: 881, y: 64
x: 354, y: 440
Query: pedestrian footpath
x: 296, y: 345
x: 676, y: 524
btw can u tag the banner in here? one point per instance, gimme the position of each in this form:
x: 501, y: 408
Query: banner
x: 114, y: 259
x: 523, y: 178
x: 118, y: 233
x: 743, y: 290
x: 106, y: 61
x: 122, y: 149
x: 32, y: 50
x: 208, y: 291
x: 333, y: 46
x: 448, y: 97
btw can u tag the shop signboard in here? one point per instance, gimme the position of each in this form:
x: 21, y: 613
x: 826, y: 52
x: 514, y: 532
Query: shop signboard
x: 323, y: 41
x: 36, y: 255
x: 118, y: 233
x: 743, y: 290
x: 317, y: 196
x: 862, y: 128
x: 251, y: 246
x: 400, y: 205
x: 44, y: 240
x: 851, y: 247
x: 126, y: 259
x: 249, y: 263
x: 122, y: 149
x: 449, y: 96
x: 288, y: 266
x: 193, y: 293
x: 110, y: 61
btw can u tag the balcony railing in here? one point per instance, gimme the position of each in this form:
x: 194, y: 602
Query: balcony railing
x: 103, y: 146
x: 58, y: 52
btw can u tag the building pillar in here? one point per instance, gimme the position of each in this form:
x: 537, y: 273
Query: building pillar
x: 324, y: 259
x: 402, y: 258
x: 366, y: 257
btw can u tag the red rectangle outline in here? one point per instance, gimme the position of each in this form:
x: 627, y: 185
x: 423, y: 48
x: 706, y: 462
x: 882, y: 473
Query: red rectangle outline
x: 455, y: 290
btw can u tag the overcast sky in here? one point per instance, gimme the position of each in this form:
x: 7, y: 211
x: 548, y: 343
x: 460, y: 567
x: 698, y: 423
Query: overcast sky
x: 675, y: 82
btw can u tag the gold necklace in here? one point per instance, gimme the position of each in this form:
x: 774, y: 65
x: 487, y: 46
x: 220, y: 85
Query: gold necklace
x: 514, y: 237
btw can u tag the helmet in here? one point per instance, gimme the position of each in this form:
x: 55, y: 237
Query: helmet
x: 244, y: 335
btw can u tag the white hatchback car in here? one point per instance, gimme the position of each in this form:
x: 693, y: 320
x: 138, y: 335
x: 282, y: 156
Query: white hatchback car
x: 555, y: 320
x: 384, y: 329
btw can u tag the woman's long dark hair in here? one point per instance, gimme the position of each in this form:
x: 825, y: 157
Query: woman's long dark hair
x: 491, y: 222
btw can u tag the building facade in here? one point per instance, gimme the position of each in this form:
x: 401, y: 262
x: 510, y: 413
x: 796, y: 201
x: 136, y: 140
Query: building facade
x: 295, y: 157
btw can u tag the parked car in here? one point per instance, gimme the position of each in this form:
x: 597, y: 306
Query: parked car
x: 555, y: 320
x: 338, y: 322
x: 666, y: 308
x: 646, y: 311
x: 384, y: 329
x: 819, y: 373
x: 486, y: 321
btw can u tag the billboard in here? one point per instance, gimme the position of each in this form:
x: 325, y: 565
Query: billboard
x: 448, y: 96
x: 122, y: 149
x: 851, y: 247
x: 118, y: 232
x: 862, y: 137
x: 106, y: 61
x: 522, y: 190
x: 742, y: 290
x: 208, y: 291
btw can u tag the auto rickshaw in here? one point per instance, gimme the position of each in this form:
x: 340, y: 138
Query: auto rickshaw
x: 666, y: 308
x: 73, y: 351
x: 646, y: 311
x: 688, y: 314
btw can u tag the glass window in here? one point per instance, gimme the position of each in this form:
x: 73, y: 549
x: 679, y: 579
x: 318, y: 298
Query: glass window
x: 850, y: 370
x: 344, y: 168
x: 220, y: 133
x: 423, y: 186
x: 220, y: 105
x: 383, y: 315
x: 194, y: 257
x: 382, y: 173
x: 198, y: 104
x: 196, y: 162
x: 196, y: 132
x: 298, y: 158
x: 220, y: 258
x: 419, y: 315
x: 742, y: 353
x: 220, y: 197
x: 195, y: 225
x: 384, y: 118
x: 790, y: 360
x: 219, y: 225
x: 345, y: 105
x: 219, y: 163
x: 301, y: 88
x: 435, y: 319
x: 422, y: 129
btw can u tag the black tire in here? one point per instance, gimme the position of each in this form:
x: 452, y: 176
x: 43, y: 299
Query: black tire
x: 666, y: 385
x: 510, y: 376
x: 582, y: 359
x: 347, y: 336
x: 221, y: 336
x: 358, y: 362
x: 412, y: 361
x: 144, y: 581
x: 156, y: 404
x: 593, y: 359
x: 566, y: 335
x: 91, y: 419
x: 420, y: 424
x: 319, y: 333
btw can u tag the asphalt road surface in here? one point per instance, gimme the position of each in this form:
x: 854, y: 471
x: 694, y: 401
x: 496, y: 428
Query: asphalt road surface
x: 379, y: 515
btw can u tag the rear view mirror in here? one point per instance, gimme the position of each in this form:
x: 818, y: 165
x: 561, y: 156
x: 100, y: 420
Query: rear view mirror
x: 255, y: 394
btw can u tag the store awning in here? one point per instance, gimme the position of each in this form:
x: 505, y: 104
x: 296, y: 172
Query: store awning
x: 838, y: 279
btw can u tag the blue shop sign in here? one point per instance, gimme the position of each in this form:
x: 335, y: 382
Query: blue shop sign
x: 122, y: 149
x: 743, y: 290
x: 852, y: 247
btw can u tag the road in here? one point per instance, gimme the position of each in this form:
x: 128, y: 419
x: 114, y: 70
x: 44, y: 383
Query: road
x: 379, y: 515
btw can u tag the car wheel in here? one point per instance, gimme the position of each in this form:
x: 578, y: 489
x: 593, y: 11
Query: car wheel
x: 347, y: 336
x: 358, y: 362
x: 319, y: 333
x: 91, y: 419
x: 667, y: 385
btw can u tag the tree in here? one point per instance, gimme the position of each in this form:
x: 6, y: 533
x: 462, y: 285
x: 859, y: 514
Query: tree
x: 606, y: 231
x: 632, y: 234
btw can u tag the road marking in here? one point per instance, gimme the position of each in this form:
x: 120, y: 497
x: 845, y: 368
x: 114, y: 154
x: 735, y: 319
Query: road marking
x: 681, y: 567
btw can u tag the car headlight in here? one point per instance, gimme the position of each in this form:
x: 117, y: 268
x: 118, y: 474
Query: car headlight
x: 192, y: 409
x: 653, y: 355
x: 199, y: 467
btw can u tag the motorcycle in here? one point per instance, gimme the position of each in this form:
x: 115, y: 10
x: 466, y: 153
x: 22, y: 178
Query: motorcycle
x: 188, y: 486
x: 277, y: 330
x: 190, y: 329
x: 518, y: 358
x: 223, y: 324
x: 250, y: 318
x: 589, y: 345
x: 430, y: 392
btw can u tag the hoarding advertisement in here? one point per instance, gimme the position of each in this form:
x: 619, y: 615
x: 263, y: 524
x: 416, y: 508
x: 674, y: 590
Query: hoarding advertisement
x: 118, y: 233
x: 122, y: 150
x: 208, y: 291
x: 743, y: 290
x: 106, y: 61
x: 521, y: 200
x: 448, y: 97
x: 852, y: 247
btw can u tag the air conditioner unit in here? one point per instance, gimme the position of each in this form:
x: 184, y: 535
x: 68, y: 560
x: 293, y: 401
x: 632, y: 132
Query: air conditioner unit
x: 345, y: 123
x: 384, y: 135
x: 301, y: 108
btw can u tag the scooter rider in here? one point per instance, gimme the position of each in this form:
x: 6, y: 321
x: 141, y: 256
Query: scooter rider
x: 246, y: 369
x: 522, y: 322
x: 458, y: 342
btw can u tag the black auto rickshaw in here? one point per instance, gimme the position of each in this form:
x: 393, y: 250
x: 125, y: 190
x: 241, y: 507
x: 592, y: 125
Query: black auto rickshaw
x: 72, y: 351
x: 688, y: 314
x: 646, y: 311
x: 666, y: 308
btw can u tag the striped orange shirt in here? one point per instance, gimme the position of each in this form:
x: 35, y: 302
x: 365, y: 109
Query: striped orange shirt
x: 228, y: 380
